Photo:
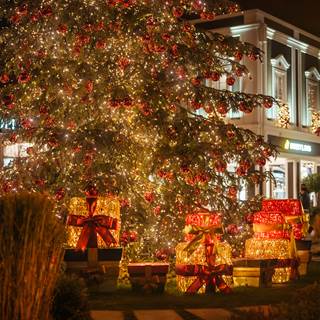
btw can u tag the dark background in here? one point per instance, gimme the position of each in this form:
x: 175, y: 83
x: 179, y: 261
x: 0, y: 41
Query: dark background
x: 304, y: 14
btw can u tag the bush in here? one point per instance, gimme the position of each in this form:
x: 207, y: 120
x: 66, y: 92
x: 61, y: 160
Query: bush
x: 70, y: 299
x: 31, y: 240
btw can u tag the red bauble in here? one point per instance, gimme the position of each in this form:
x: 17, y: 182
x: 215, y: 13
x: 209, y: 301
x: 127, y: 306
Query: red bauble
x: 149, y: 196
x: 62, y: 28
x: 26, y: 123
x: 215, y: 76
x: 157, y: 210
x: 46, y: 11
x: 60, y: 193
x: 39, y: 182
x: 222, y: 107
x: 261, y: 162
x: 166, y: 36
x: 196, y: 105
x: 231, y: 133
x: 4, y: 78
x: 23, y: 77
x: 177, y: 12
x: 43, y: 110
x: 7, y: 186
x: 241, y: 171
x: 197, y: 5
x: 252, y: 56
x: 238, y: 55
x: 123, y: 63
x: 267, y: 152
x: 245, y: 163
x: 230, y: 81
x: 30, y: 151
x: 220, y: 166
x: 232, y: 191
x: 89, y: 86
x: 195, y: 81
x: 13, y: 138
x: 245, y: 107
x: 232, y: 229
x: 268, y: 103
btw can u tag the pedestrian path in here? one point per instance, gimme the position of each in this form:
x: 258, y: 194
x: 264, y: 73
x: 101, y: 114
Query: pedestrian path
x: 187, y: 314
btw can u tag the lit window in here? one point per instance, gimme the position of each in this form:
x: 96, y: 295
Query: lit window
x: 312, y: 96
x: 280, y: 67
x: 13, y: 151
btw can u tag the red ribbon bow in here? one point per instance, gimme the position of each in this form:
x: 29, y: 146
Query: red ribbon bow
x: 211, y: 276
x: 93, y: 225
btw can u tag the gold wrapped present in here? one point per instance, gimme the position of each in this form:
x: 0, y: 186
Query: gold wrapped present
x: 253, y: 272
x: 198, y: 260
x: 281, y: 249
x: 106, y: 206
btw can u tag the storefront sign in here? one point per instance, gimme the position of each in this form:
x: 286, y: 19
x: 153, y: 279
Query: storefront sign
x: 295, y: 146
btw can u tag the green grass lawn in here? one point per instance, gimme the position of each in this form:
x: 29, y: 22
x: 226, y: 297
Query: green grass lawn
x: 125, y: 299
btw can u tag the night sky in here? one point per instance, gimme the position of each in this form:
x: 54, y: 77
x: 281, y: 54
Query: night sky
x: 305, y: 14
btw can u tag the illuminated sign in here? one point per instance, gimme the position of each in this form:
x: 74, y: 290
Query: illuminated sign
x: 8, y: 124
x: 296, y: 146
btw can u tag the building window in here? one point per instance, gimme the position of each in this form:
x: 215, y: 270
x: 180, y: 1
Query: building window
x: 11, y: 152
x: 312, y: 96
x: 280, y: 68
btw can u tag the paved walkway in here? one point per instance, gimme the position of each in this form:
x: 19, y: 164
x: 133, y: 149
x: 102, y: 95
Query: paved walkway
x: 187, y: 314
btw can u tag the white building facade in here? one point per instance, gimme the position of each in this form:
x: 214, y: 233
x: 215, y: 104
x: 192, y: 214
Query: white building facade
x: 290, y: 72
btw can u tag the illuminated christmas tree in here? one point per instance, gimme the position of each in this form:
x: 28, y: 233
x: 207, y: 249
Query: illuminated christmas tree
x: 113, y: 93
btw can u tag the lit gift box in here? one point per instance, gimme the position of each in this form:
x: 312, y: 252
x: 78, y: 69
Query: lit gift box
x: 92, y: 241
x: 293, y: 212
x: 273, y: 240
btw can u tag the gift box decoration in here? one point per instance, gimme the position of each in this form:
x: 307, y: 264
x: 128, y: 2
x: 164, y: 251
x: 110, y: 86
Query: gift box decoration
x: 293, y: 212
x: 253, y: 273
x: 99, y: 267
x: 196, y: 273
x: 273, y: 239
x: 94, y: 224
x: 148, y: 277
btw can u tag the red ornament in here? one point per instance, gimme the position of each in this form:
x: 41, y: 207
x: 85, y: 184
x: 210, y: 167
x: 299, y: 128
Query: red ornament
x: 146, y: 109
x: 222, y: 107
x: 60, y: 193
x: 215, y: 76
x: 89, y: 86
x: 261, y: 162
x: 195, y: 81
x: 123, y: 63
x: 149, y: 196
x: 4, y: 78
x: 267, y: 152
x: 220, y: 166
x: 157, y: 210
x: 317, y: 132
x: 268, y: 103
x: 232, y: 192
x: 23, y: 77
x: 231, y: 80
x: 238, y: 55
x: 13, y: 138
x: 197, y: 5
x: 241, y: 171
x: 26, y: 123
x: 7, y: 186
x: 62, y: 28
x: 46, y: 11
x: 232, y: 229
x: 252, y: 56
x: 196, y: 105
x: 231, y: 134
x: 177, y: 12
x: 43, y: 110
x: 166, y: 36
x: 245, y: 107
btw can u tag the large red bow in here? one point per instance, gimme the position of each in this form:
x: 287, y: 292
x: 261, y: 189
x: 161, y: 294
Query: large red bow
x: 93, y: 225
x: 211, y: 276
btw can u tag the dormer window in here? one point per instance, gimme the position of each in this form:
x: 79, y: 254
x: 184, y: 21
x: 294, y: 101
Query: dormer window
x: 280, y: 68
x: 312, y: 96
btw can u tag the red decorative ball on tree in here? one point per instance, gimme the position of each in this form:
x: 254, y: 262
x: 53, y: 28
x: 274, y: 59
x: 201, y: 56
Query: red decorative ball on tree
x: 222, y: 107
x: 268, y: 103
x: 215, y: 76
x: 149, y: 196
x: 238, y: 55
x: 230, y: 81
x: 220, y: 166
x: 261, y: 162
x: 60, y: 193
x: 232, y: 192
x: 23, y: 77
x: 4, y: 78
x: 177, y: 12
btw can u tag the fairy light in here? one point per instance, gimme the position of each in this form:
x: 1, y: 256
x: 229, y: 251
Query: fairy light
x: 108, y: 89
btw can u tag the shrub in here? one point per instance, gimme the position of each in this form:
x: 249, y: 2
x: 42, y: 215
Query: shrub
x: 31, y: 240
x: 70, y: 299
